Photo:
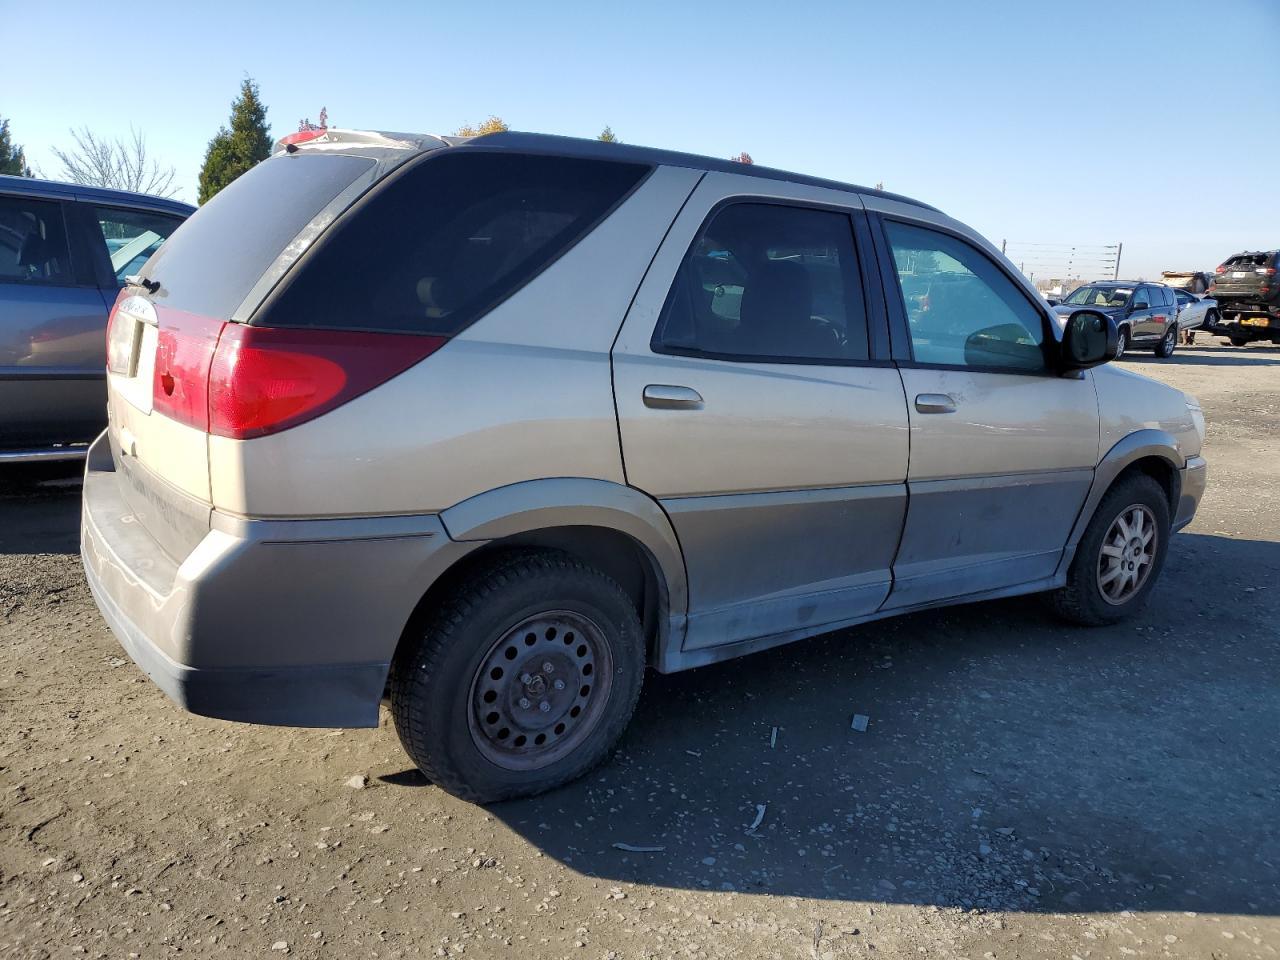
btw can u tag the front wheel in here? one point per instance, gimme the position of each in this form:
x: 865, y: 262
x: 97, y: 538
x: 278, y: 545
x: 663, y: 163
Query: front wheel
x: 522, y: 679
x: 1165, y: 347
x: 1122, y: 342
x: 1120, y: 556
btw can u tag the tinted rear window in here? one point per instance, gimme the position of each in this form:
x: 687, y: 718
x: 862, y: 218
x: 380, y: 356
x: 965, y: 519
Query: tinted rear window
x: 210, y: 264
x: 443, y: 243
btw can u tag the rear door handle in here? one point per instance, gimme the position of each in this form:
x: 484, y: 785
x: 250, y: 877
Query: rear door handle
x: 935, y: 403
x: 667, y: 396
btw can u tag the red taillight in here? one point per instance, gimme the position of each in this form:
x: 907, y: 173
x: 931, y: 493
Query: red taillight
x: 266, y: 379
x: 184, y: 350
x: 1221, y: 268
x: 1270, y: 271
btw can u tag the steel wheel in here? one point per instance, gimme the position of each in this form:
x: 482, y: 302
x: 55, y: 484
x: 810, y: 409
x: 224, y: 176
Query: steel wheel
x: 540, y: 690
x: 1127, y: 554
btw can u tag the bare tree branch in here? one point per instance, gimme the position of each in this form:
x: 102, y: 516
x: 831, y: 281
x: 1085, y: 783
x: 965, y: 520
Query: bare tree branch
x: 98, y: 162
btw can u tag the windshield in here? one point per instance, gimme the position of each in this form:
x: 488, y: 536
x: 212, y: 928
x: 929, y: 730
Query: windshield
x: 1092, y: 296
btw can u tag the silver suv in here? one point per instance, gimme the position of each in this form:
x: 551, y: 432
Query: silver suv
x: 493, y: 424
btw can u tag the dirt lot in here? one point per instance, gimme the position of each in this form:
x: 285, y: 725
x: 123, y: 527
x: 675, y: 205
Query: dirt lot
x: 1024, y: 789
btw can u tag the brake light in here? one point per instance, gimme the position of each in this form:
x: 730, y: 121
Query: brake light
x: 267, y: 379
x: 1269, y: 271
x: 302, y: 136
x: 185, y: 345
x: 1220, y: 268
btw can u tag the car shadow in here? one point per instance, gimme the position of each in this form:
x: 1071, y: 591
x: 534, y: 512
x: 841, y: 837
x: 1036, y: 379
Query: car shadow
x: 1010, y: 761
x: 40, y: 508
x: 1206, y: 355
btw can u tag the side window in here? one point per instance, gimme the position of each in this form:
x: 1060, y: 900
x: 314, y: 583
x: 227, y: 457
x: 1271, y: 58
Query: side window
x: 1144, y: 295
x: 33, y: 242
x: 771, y: 282
x: 961, y: 308
x: 132, y: 236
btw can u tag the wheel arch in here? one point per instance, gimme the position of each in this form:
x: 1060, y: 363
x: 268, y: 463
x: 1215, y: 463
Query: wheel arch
x: 1152, y: 452
x: 615, y: 528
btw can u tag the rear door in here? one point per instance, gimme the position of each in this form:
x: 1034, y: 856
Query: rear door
x: 757, y: 404
x: 1002, y: 449
x: 52, y: 323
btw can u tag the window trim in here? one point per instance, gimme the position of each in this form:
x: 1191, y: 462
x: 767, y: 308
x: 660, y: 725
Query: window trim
x: 101, y: 256
x: 898, y: 310
x: 260, y: 315
x: 858, y: 273
x: 75, y: 272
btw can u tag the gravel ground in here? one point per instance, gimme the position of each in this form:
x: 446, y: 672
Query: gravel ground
x: 1022, y: 789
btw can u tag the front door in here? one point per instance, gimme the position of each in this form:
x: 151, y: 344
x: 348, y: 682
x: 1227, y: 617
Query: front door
x: 751, y: 405
x: 1002, y: 448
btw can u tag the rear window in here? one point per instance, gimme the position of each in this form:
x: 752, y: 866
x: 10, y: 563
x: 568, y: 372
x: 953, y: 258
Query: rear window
x: 447, y: 240
x: 210, y: 264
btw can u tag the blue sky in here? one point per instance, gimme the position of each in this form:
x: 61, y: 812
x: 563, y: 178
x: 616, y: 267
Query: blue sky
x: 1083, y: 122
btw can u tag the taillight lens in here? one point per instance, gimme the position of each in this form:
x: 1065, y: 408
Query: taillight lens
x: 185, y: 345
x: 266, y: 379
x: 1221, y: 268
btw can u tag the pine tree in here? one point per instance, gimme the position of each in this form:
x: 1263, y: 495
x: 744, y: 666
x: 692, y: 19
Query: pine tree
x: 608, y: 136
x: 232, y: 152
x: 12, y: 160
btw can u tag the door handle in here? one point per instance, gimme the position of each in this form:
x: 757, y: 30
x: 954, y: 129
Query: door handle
x: 667, y: 396
x: 935, y: 403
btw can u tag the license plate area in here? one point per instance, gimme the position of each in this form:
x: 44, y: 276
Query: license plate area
x: 1255, y: 321
x: 1239, y: 274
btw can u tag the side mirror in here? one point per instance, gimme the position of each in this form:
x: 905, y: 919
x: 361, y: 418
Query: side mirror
x: 1054, y: 301
x: 1139, y: 305
x: 1088, y: 339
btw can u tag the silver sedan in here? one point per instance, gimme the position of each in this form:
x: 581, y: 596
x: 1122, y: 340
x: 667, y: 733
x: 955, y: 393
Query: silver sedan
x: 1194, y: 312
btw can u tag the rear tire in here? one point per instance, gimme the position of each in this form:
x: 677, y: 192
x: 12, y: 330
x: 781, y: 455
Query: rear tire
x: 1239, y: 341
x: 1096, y: 594
x: 473, y: 701
x: 1165, y: 348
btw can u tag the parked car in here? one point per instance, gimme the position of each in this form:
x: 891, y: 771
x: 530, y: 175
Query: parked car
x: 601, y: 407
x: 64, y: 253
x: 1192, y: 281
x: 1248, y: 292
x: 1146, y: 314
x: 1194, y: 312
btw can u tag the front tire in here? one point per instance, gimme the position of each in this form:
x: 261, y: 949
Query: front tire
x: 522, y: 679
x: 1120, y: 556
x: 1122, y: 342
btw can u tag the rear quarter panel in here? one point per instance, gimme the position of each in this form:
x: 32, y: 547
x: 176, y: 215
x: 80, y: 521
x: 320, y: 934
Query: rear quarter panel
x: 523, y: 394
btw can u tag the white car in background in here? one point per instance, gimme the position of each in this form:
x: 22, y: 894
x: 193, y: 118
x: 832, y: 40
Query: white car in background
x: 1194, y: 312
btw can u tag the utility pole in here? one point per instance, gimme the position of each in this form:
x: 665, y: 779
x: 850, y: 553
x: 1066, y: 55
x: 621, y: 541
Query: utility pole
x: 1119, y: 250
x: 1002, y: 243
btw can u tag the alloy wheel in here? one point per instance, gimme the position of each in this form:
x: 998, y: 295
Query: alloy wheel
x: 1128, y: 554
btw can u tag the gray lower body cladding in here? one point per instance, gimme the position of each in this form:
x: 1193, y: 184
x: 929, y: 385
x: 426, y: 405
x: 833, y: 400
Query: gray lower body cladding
x: 283, y: 622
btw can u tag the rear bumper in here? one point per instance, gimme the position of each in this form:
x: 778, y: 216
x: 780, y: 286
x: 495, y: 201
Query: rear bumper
x: 279, y: 622
x: 1191, y: 489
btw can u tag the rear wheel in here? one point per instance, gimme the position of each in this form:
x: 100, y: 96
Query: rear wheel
x: 1119, y: 557
x: 1239, y: 341
x: 1167, y: 345
x: 521, y: 680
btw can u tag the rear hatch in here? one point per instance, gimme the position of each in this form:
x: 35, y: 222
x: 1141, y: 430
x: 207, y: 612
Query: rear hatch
x: 166, y: 329
x: 1248, y: 276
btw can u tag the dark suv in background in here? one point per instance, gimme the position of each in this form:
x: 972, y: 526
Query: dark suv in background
x: 64, y: 253
x: 1247, y: 288
x: 1146, y: 314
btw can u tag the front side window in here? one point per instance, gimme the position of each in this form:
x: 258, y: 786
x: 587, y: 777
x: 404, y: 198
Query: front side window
x: 132, y: 236
x: 961, y: 308
x: 768, y: 282
x: 33, y: 242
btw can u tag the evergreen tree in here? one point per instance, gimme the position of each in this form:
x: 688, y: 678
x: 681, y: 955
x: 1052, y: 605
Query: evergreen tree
x: 608, y: 136
x: 12, y: 160
x: 232, y: 152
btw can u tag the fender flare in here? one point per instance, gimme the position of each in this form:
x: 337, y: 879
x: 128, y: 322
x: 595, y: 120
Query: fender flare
x: 1127, y: 451
x: 533, y: 505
